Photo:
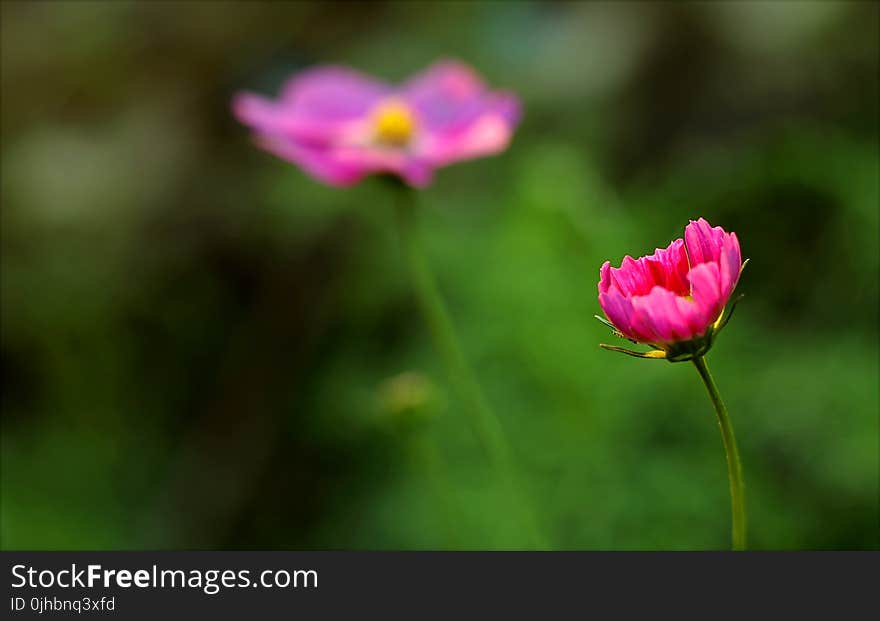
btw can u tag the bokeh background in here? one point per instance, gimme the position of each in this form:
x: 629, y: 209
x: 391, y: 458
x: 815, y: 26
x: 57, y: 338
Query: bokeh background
x: 204, y: 348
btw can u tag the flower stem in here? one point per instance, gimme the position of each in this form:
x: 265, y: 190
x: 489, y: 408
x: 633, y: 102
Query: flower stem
x: 487, y: 426
x: 734, y: 466
x: 427, y: 458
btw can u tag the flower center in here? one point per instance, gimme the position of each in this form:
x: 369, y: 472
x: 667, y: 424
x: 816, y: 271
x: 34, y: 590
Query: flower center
x: 393, y: 123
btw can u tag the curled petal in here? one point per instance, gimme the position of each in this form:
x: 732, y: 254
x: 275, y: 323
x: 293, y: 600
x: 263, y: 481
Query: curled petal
x: 703, y: 242
x: 605, y: 277
x: 730, y: 262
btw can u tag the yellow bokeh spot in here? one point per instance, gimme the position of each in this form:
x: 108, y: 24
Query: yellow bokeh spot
x: 393, y: 123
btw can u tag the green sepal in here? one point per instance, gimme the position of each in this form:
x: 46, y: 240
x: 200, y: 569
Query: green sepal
x: 613, y: 329
x: 654, y: 354
x: 729, y: 313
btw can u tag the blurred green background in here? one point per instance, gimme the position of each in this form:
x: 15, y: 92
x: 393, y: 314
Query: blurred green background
x: 204, y: 348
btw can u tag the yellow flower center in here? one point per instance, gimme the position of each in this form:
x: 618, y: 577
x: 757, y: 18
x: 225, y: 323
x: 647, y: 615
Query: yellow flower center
x: 393, y: 123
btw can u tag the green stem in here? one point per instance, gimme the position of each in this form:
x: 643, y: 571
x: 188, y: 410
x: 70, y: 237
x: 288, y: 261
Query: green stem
x: 734, y: 466
x: 430, y: 462
x: 488, y: 427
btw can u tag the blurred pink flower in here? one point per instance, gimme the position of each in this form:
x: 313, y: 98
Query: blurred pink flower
x: 674, y: 298
x: 340, y: 126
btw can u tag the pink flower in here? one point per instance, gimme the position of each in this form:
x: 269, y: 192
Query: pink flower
x: 340, y: 126
x: 675, y: 298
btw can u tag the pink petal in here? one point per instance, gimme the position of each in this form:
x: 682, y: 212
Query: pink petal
x: 693, y: 316
x: 605, y: 277
x: 319, y: 106
x: 332, y: 93
x: 706, y: 293
x: 487, y: 135
x: 703, y: 242
x: 632, y: 277
x: 271, y: 118
x: 669, y: 267
x: 318, y: 162
x: 731, y: 263
x: 343, y: 166
x: 459, y: 118
x: 444, y: 93
x: 619, y: 311
x: 259, y: 113
x: 659, y: 314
